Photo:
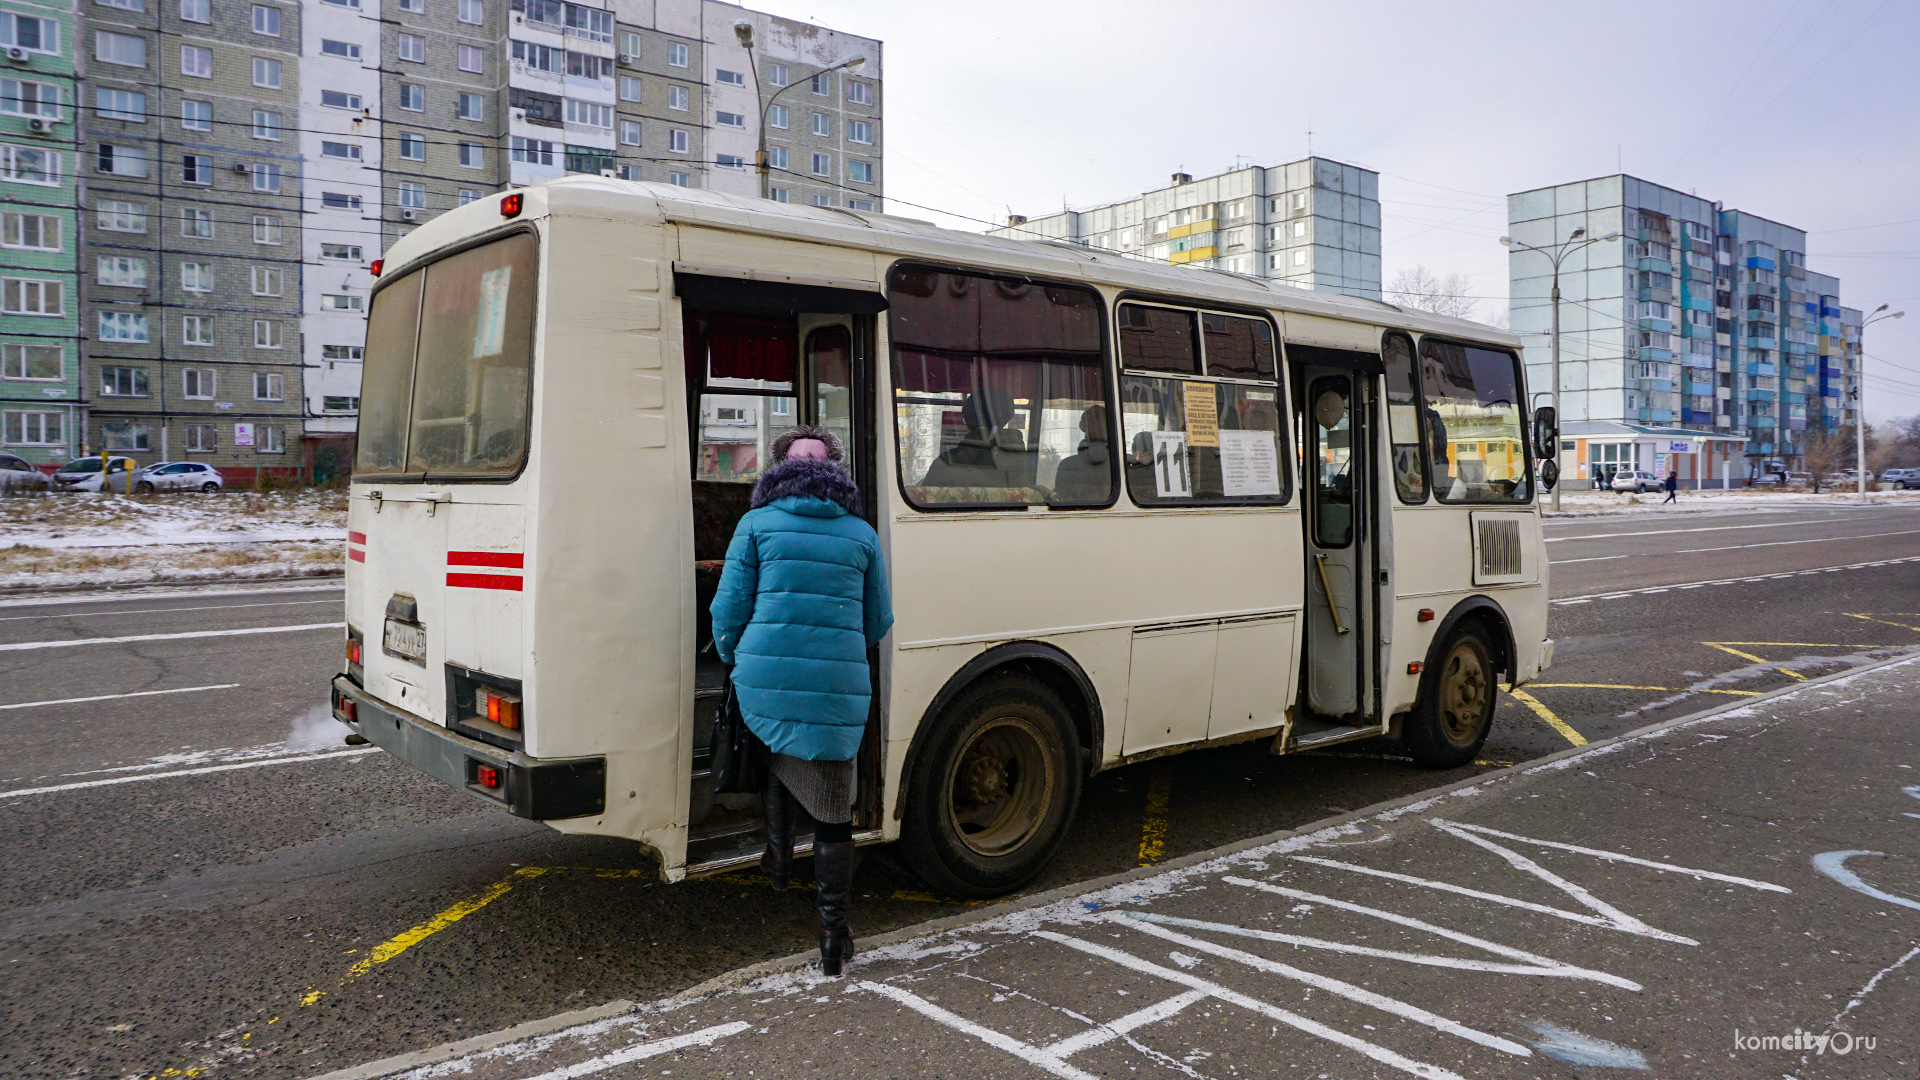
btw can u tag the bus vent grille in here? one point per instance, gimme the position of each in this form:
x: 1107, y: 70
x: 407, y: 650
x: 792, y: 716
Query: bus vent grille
x: 1499, y: 547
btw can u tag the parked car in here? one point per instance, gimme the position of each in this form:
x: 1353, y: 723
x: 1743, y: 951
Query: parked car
x: 1772, y: 479
x: 17, y: 475
x: 1637, y: 481
x: 83, y: 474
x: 179, y: 476
x: 1803, y: 479
x: 1904, y: 479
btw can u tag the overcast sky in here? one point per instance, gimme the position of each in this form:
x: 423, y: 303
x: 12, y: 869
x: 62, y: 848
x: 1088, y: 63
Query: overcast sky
x: 1803, y: 111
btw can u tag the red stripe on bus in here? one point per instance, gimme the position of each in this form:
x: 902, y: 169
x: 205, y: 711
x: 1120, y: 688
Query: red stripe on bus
x: 510, y: 559
x: 356, y: 555
x: 356, y: 538
x: 485, y: 581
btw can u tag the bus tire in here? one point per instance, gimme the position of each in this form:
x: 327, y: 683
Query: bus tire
x: 993, y: 793
x: 1450, y: 723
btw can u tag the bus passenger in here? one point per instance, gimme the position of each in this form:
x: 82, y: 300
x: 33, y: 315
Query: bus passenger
x: 1087, y: 476
x: 803, y: 596
x: 991, y: 454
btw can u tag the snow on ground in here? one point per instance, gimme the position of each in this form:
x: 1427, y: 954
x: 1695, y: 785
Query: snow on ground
x: 1586, y: 502
x: 67, y: 540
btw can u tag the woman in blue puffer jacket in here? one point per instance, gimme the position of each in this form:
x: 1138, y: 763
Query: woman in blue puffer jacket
x: 803, y: 596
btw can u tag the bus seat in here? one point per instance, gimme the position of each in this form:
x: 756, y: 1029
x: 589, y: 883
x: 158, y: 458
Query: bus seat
x: 717, y: 508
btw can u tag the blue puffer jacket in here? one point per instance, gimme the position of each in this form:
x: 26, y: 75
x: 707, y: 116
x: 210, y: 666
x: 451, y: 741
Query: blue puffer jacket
x: 803, y: 595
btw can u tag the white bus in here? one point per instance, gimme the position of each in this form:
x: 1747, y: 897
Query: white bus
x: 1128, y: 510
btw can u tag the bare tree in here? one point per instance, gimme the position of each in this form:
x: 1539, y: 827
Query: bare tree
x: 1826, y: 451
x: 1421, y: 289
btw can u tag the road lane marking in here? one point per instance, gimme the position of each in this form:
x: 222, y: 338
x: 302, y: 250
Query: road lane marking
x: 1744, y: 547
x: 1620, y: 686
x: 1870, y: 618
x: 1114, y: 1029
x: 1546, y: 714
x: 1153, y: 830
x: 163, y: 610
x: 1834, y: 865
x: 17, y: 645
x: 1715, y: 528
x: 131, y: 596
x: 1618, y: 594
x: 112, y: 697
x: 1727, y: 647
x: 703, y: 1037
x: 1033, y: 1055
x: 1614, y: 856
x: 328, y: 756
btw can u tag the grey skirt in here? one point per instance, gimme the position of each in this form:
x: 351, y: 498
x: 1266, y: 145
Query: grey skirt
x: 825, y: 788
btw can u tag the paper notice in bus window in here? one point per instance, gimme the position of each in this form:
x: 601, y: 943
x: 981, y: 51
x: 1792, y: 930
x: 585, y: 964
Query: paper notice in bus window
x: 490, y: 321
x: 1170, y: 472
x: 1248, y: 463
x: 1203, y: 415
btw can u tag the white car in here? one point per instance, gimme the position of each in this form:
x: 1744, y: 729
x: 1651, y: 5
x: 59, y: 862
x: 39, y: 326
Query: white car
x: 1637, y: 481
x: 83, y: 474
x: 179, y: 476
x: 17, y: 475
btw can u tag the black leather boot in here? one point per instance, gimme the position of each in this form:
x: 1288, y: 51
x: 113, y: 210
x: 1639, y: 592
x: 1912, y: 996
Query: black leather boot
x: 833, y: 866
x: 778, y: 808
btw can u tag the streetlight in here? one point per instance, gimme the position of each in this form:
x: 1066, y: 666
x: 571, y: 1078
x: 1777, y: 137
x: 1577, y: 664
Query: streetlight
x: 1860, y: 399
x: 1575, y: 242
x: 744, y: 31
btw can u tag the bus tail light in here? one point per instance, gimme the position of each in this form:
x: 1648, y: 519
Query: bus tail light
x: 487, y: 776
x: 353, y: 651
x: 510, y: 205
x: 502, y: 709
x: 485, y: 707
x: 377, y: 264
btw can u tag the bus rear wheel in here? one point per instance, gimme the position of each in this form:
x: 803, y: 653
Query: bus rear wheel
x: 993, y: 793
x: 1455, y: 713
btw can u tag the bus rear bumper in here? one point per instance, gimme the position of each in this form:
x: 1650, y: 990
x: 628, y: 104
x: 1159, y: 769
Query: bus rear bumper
x: 539, y: 789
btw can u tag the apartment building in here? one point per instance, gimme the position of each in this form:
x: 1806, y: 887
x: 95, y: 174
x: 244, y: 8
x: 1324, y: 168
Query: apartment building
x: 1698, y: 342
x: 1313, y: 224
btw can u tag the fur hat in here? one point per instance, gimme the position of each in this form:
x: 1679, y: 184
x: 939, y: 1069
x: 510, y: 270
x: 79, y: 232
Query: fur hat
x: 836, y: 451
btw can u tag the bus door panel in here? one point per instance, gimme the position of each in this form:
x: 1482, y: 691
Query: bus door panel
x: 1338, y: 523
x: 1170, y: 685
x: 1249, y: 692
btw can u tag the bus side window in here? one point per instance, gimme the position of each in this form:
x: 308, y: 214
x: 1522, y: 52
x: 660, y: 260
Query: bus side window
x: 1404, y: 420
x: 1474, y: 416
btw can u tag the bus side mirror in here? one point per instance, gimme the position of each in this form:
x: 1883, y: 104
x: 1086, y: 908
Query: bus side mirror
x: 1546, y: 432
x: 1549, y: 474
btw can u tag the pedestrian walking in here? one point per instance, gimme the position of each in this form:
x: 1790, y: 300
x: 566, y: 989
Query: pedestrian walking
x: 1673, y: 488
x: 802, y: 598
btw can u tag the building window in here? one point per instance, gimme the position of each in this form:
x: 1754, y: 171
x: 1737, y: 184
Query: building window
x: 195, y: 224
x: 196, y: 384
x: 343, y: 352
x: 122, y: 49
x: 415, y: 6
x: 1300, y: 257
x: 822, y: 85
x: 472, y: 12
x: 127, y: 326
x: 116, y: 216
x: 413, y: 47
x: 468, y: 195
x: 729, y: 78
x: 268, y: 386
x: 196, y: 61
x: 200, y: 11
x: 33, y: 429
x: 31, y: 232
x: 677, y: 98
x: 471, y: 107
x: 412, y: 147
x: 266, y: 125
x: 350, y: 252
x: 676, y: 55
x: 123, y: 271
x: 778, y: 194
x: 266, y: 178
x: 860, y: 131
x: 266, y: 73
x: 269, y: 438
x: 532, y: 151
x: 859, y: 93
x: 677, y: 141
x: 108, y: 104
x: 777, y: 74
x: 677, y: 179
x: 196, y: 115
x: 266, y: 281
x: 123, y: 381
x: 629, y: 88
x: 821, y: 126
x: 823, y: 200
x: 266, y: 230
x: 630, y: 133
x: 472, y: 58
x: 121, y: 160
x: 201, y: 438
x: 266, y: 334
x: 471, y: 156
x: 860, y: 172
x: 343, y: 404
x: 589, y: 114
x: 413, y: 196
x: 127, y: 435
x: 341, y: 302
x: 777, y: 117
x: 196, y: 277
x: 341, y: 150
x: 345, y: 50
x: 729, y: 119
x: 336, y: 99
x: 40, y: 363
x: 729, y: 161
x: 31, y: 296
x: 822, y: 165
x: 777, y: 157
x: 29, y: 33
x: 196, y: 169
x: 860, y: 204
x: 197, y: 330
x: 24, y: 165
x: 266, y: 20
x: 412, y: 98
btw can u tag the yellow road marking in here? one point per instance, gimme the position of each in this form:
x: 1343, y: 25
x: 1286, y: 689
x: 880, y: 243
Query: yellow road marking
x: 1887, y: 622
x: 1727, y: 647
x: 1620, y: 686
x: 1546, y: 714
x: 1153, y: 830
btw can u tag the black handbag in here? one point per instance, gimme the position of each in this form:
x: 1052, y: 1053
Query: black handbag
x: 739, y: 762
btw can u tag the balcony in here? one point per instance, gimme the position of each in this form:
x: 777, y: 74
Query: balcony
x: 1658, y: 265
x: 1755, y: 262
x: 1761, y: 343
x: 1761, y: 369
x: 1653, y: 355
x: 1664, y: 296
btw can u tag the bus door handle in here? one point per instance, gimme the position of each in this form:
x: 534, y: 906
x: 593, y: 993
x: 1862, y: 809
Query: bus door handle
x: 1326, y: 587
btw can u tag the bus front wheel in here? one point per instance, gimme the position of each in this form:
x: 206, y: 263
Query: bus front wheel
x: 993, y: 793
x: 1455, y: 713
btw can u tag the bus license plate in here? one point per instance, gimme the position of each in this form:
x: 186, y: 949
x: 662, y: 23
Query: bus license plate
x: 407, y: 639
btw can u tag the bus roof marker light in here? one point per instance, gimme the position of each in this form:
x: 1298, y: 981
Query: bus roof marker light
x: 510, y: 205
x: 377, y: 263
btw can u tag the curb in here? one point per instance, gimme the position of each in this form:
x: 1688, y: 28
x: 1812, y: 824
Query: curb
x: 740, y: 976
x: 181, y: 583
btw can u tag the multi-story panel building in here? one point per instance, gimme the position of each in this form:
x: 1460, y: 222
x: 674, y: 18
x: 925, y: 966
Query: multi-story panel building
x: 1313, y: 223
x: 191, y: 223
x: 1691, y: 344
x: 660, y: 103
x: 41, y: 417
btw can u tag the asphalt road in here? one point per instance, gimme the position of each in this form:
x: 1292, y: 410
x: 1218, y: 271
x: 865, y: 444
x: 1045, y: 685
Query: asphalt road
x: 212, y: 858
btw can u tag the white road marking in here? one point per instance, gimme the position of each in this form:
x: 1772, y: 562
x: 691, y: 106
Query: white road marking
x: 112, y: 697
x: 328, y: 756
x: 1114, y: 1029
x: 157, y: 611
x: 17, y: 645
x: 1712, y: 528
x: 133, y: 596
x: 1032, y: 1055
x: 1614, y: 856
x: 1620, y: 920
x: 704, y: 1037
x: 1618, y: 594
x: 1739, y: 547
x: 1834, y: 865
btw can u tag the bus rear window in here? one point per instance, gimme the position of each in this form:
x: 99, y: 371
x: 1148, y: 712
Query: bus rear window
x: 446, y: 386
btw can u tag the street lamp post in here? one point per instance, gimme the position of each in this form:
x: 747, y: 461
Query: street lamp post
x: 1860, y: 399
x: 744, y: 31
x: 1574, y: 242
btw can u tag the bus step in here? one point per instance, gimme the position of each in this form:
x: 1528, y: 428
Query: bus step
x: 720, y: 854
